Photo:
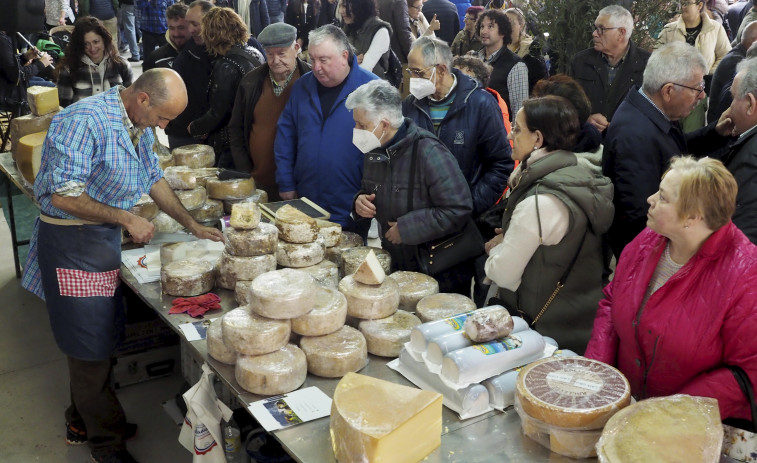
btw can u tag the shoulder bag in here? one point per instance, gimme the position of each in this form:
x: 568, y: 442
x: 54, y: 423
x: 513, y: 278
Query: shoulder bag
x: 740, y: 436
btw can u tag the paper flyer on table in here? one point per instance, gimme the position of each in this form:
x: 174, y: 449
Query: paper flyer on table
x: 196, y: 331
x: 286, y: 410
x: 144, y: 263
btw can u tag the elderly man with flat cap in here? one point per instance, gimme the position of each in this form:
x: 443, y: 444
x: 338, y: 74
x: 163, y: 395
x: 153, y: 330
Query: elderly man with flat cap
x: 260, y: 100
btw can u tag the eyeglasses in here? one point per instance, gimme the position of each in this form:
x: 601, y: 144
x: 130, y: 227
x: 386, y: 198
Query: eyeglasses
x: 698, y: 89
x: 419, y: 8
x: 417, y: 72
x: 600, y: 30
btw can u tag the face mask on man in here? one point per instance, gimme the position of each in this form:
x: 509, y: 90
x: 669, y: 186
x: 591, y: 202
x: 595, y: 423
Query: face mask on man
x: 365, y: 140
x: 420, y: 88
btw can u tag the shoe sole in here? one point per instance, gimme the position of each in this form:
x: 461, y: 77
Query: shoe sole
x: 127, y: 437
x: 75, y: 442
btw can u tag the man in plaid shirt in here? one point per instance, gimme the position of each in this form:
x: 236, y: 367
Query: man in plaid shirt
x: 152, y: 23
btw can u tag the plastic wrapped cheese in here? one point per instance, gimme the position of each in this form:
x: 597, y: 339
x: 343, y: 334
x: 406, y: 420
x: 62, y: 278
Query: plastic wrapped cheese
x: 245, y: 216
x: 414, y: 286
x: 377, y: 421
x: 261, y: 240
x: 217, y: 348
x: 327, y: 316
x: 443, y: 305
x: 192, y: 199
x: 386, y: 336
x: 242, y: 292
x: 347, y: 240
x: 165, y: 161
x: 276, y: 373
x: 204, y: 174
x: 487, y: 326
x: 677, y: 428
x: 187, y: 278
x: 258, y: 196
x: 295, y: 226
x: 194, y: 156
x: 164, y: 223
x: 572, y: 392
x: 336, y: 354
x: 180, y: 177
x: 211, y: 210
x: 353, y: 257
x: 206, y: 250
x: 369, y: 302
x: 285, y: 293
x: 42, y: 100
x: 233, y: 268
x: 330, y: 231
x: 299, y: 255
x: 236, y: 188
x: 370, y: 271
x: 145, y: 207
x: 252, y: 334
x: 326, y: 273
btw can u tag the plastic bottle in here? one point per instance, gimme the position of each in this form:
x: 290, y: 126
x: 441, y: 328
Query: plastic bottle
x: 232, y: 444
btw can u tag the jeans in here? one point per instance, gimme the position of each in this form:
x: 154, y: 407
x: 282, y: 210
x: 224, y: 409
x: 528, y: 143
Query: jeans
x: 130, y: 32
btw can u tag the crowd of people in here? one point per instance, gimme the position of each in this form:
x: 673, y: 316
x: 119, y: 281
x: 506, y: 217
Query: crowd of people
x: 613, y: 207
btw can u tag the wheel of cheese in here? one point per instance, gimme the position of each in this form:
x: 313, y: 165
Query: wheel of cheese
x: 347, y: 240
x: 328, y: 315
x: 295, y: 226
x: 206, y: 250
x: 204, y: 174
x: 22, y: 126
x: 245, y: 216
x: 180, y: 177
x: 145, y: 208
x: 299, y: 255
x: 259, y: 196
x: 325, y: 273
x: 251, y: 334
x: 187, y: 277
x: 211, y: 210
x: 236, y: 188
x: 386, y: 336
x: 336, y: 354
x: 242, y: 292
x: 353, y: 257
x: 194, y: 156
x: 369, y: 302
x: 192, y: 199
x: 572, y: 392
x: 29, y: 155
x: 164, y: 223
x: 261, y: 240
x: 414, y: 286
x: 233, y: 268
x: 166, y: 161
x: 276, y: 373
x: 330, y: 231
x: 285, y: 293
x: 443, y: 305
x: 217, y: 348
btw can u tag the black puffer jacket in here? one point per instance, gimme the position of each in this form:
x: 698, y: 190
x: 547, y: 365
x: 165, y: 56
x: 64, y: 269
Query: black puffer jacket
x: 14, y: 77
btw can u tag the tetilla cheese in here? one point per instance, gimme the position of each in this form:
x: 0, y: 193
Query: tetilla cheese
x: 414, y: 286
x: 370, y: 271
x: 242, y: 292
x: 347, y: 240
x: 353, y: 257
x: 373, y: 420
x: 164, y: 223
x: 180, y: 177
x: 258, y: 196
x: 443, y: 305
x: 191, y: 250
x: 295, y: 226
x: 42, y: 100
x: 299, y: 255
x: 29, y: 155
x: 262, y: 240
x: 145, y: 207
x: 276, y: 373
x: 669, y: 429
x: 187, y: 278
x: 325, y: 273
x: 25, y: 125
x: 328, y: 315
x: 369, y: 301
x: 204, y: 174
x: 487, y: 326
x: 194, y: 156
x: 285, y: 293
x: 386, y: 336
x: 336, y: 354
x: 192, y: 199
x: 217, y: 348
x: 211, y: 210
x: 251, y: 334
x: 572, y: 392
x: 245, y: 216
x: 233, y: 268
x: 236, y: 188
x: 330, y: 231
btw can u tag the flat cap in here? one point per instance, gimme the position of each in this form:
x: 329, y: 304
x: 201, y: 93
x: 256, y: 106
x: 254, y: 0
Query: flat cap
x: 277, y: 35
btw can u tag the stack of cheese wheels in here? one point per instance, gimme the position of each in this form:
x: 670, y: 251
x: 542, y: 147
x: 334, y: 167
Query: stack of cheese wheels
x: 414, y: 286
x: 347, y: 240
x: 194, y: 156
x: 258, y: 196
x: 165, y: 158
x: 300, y: 244
x: 325, y: 272
x: 564, y: 402
x: 250, y: 249
x: 224, y: 190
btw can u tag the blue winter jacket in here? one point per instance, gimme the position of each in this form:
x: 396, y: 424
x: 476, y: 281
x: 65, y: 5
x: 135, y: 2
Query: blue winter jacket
x: 474, y: 132
x: 314, y: 154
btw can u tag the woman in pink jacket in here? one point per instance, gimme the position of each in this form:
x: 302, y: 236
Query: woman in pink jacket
x: 683, y: 301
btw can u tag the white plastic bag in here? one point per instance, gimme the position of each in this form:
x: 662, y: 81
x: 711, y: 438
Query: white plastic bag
x: 201, y: 432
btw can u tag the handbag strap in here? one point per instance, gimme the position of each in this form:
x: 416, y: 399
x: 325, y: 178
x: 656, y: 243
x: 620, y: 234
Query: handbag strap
x: 746, y: 387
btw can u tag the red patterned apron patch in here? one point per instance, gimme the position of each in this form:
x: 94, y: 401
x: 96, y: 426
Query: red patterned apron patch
x: 80, y: 283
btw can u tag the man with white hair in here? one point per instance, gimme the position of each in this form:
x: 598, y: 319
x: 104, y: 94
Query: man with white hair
x: 613, y: 66
x: 646, y: 133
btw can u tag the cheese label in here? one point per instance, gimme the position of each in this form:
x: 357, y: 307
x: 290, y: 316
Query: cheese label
x: 571, y: 382
x: 458, y: 321
x: 504, y: 344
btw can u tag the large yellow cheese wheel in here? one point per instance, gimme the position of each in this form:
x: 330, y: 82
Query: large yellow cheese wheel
x: 26, y: 125
x: 29, y: 155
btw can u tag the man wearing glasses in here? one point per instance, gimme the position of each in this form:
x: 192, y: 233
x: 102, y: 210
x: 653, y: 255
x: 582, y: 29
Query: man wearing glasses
x: 646, y: 133
x: 613, y: 66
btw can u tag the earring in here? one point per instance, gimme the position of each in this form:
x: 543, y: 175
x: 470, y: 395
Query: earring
x: 536, y: 147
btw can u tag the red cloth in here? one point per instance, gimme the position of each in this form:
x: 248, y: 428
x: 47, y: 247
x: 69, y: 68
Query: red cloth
x: 196, y: 306
x: 701, y: 319
x: 81, y: 283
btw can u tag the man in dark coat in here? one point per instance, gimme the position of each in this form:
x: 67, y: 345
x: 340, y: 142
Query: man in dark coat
x: 722, y: 78
x: 395, y: 13
x: 176, y: 38
x: 446, y: 13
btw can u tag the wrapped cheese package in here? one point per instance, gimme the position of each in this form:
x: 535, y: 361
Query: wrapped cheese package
x: 180, y: 177
x: 145, y: 207
x: 326, y: 273
x: 217, y: 348
x: 187, y: 277
x: 209, y: 211
x: 285, y: 293
x: 206, y: 250
x: 414, y: 286
x: 368, y: 301
x: 443, y: 305
x: 278, y: 372
x: 487, y: 326
x: 192, y: 199
x: 295, y: 226
x: 297, y: 255
x: 245, y: 216
x: 347, y: 240
x: 386, y: 336
x: 336, y: 354
x: 233, y: 268
x: 330, y: 231
x: 252, y: 334
x: 236, y: 188
x: 327, y: 316
x: 194, y: 156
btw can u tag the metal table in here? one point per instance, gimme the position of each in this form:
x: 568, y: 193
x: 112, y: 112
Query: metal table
x: 8, y: 167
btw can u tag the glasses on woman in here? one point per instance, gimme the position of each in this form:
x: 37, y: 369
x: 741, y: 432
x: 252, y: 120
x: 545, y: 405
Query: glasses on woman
x: 418, y: 7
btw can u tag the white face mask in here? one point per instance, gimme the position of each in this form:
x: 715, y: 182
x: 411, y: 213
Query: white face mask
x: 420, y: 88
x: 365, y: 140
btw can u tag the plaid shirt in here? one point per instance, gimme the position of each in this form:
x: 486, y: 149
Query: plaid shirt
x: 151, y: 15
x: 89, y: 149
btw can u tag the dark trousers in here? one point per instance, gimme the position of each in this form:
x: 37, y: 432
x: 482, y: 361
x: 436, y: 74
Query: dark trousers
x: 151, y: 41
x: 94, y: 405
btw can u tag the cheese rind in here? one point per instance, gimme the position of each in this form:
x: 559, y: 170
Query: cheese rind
x: 164, y: 223
x: 353, y: 257
x: 326, y: 273
x: 251, y: 334
x: 414, y: 286
x: 295, y: 226
x: 347, y: 240
x: 335, y: 354
x: 330, y: 231
x: 217, y: 348
x: 191, y: 250
x: 279, y: 372
x: 245, y: 216
x: 328, y: 315
x: 29, y: 155
x: 42, y: 100
x: 370, y: 271
x: 285, y: 293
x: 180, y: 177
x: 192, y: 199
x: 369, y: 302
x: 443, y: 305
x: 204, y: 174
x: 386, y: 336
x: 187, y: 278
x: 26, y: 125
x: 211, y: 210
x: 299, y: 255
x: 145, y: 207
x: 237, y: 188
x: 258, y: 196
x: 262, y: 240
x: 233, y: 268
x: 194, y: 156
x: 242, y: 292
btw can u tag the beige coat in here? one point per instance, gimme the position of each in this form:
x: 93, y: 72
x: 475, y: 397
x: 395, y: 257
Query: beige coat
x: 712, y: 41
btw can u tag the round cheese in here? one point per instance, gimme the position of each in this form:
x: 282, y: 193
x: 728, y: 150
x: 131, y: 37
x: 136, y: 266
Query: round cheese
x: 261, y: 240
x: 336, y: 354
x: 236, y: 188
x: 353, y: 257
x: 330, y: 231
x: 210, y: 211
x: 328, y: 315
x: 191, y: 250
x: 299, y: 255
x: 325, y: 273
x: 233, y: 268
x: 572, y: 392
x: 242, y: 292
x: 165, y: 160
x: 443, y: 305
x: 276, y: 373
x: 295, y: 226
x: 145, y: 208
x: 217, y: 348
x: 414, y: 286
x: 285, y: 293
x: 180, y: 177
x: 258, y: 196
x: 164, y: 223
x: 205, y: 174
x: 192, y: 199
x: 194, y: 156
x: 251, y: 334
x: 245, y: 216
x: 187, y: 278
x: 347, y: 240
x: 386, y: 336
x: 368, y: 301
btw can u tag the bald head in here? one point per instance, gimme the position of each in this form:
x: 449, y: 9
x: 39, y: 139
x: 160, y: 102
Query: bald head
x: 749, y: 35
x: 155, y: 98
